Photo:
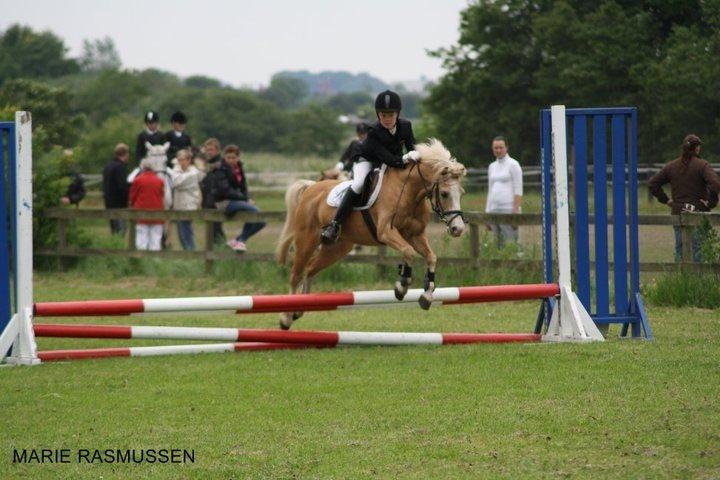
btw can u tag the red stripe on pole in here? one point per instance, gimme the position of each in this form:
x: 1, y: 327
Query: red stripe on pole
x: 88, y: 308
x: 285, y: 308
x: 55, y: 355
x: 499, y: 293
x: 286, y: 303
x: 274, y: 346
x: 316, y: 338
x: 82, y: 331
x: 452, y: 338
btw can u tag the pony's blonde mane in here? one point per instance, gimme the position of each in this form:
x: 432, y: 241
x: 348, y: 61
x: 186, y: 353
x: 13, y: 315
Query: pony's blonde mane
x: 439, y: 159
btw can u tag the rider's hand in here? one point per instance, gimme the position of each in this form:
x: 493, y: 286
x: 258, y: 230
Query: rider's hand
x: 411, y: 155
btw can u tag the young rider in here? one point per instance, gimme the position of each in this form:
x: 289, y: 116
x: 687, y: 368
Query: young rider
x: 384, y: 144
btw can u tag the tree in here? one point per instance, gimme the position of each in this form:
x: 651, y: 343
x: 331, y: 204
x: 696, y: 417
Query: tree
x: 50, y: 108
x: 96, y: 144
x: 201, y: 81
x: 110, y: 93
x: 27, y: 54
x: 514, y: 57
x: 349, y: 103
x: 313, y: 130
x: 99, y: 54
x: 286, y: 92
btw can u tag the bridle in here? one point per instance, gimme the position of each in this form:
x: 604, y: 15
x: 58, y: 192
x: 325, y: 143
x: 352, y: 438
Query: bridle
x: 432, y: 194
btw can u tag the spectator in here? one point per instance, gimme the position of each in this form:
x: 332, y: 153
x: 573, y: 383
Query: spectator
x: 694, y: 186
x: 505, y: 190
x: 211, y: 149
x: 147, y: 193
x: 186, y: 195
x: 75, y: 191
x: 115, y: 186
x: 231, y: 195
x: 151, y: 134
x: 177, y: 137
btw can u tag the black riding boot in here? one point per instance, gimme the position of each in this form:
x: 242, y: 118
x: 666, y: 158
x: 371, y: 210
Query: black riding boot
x: 331, y: 232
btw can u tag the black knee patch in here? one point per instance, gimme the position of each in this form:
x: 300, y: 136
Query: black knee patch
x: 405, y: 272
x: 429, y: 277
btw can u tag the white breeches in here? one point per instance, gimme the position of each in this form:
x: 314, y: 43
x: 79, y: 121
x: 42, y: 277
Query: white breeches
x: 360, y: 171
x: 148, y: 236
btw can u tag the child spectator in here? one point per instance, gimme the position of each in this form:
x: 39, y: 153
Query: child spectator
x: 231, y: 195
x: 211, y: 151
x: 186, y: 195
x: 177, y: 137
x: 147, y: 192
x: 115, y: 186
x: 151, y: 134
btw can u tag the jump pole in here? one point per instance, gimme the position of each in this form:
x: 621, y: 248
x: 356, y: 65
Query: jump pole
x: 327, y: 338
x: 294, y: 303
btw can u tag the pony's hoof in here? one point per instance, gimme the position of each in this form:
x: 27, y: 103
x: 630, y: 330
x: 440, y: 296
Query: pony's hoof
x: 425, y: 300
x: 286, y: 321
x: 400, y: 290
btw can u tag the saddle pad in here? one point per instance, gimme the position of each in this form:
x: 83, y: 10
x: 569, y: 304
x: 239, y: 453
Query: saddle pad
x: 336, y: 194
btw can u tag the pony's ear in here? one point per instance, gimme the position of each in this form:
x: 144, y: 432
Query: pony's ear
x: 148, y: 145
x: 166, y: 145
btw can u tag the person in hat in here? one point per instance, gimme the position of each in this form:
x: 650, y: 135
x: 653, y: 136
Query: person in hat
x: 151, y: 134
x: 385, y: 143
x: 177, y: 137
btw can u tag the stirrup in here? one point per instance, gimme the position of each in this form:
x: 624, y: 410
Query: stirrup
x: 330, y: 233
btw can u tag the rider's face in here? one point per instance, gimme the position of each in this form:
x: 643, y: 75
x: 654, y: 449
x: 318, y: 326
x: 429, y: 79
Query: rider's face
x: 388, y: 119
x: 499, y: 148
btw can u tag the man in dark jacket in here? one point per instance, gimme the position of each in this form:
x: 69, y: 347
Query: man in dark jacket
x: 151, y: 134
x: 75, y: 191
x: 115, y: 186
x: 177, y: 137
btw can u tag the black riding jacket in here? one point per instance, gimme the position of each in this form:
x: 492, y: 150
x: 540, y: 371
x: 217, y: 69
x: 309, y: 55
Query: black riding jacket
x: 177, y: 143
x: 155, y: 138
x: 381, y: 146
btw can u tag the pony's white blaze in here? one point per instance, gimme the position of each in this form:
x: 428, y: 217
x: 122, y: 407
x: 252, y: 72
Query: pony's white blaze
x: 457, y: 226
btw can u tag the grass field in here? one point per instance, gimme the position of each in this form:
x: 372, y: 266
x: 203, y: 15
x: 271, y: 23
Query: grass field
x: 620, y: 409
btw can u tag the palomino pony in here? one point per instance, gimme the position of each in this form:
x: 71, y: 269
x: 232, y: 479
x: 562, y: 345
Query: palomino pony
x: 401, y: 213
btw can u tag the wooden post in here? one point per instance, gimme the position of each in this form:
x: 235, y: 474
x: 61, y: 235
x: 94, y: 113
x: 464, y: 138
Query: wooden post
x: 474, y: 241
x: 131, y: 234
x: 62, y: 241
x: 209, y: 245
x: 686, y: 234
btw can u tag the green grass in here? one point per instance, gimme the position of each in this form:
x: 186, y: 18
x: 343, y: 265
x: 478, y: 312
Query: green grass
x: 620, y: 409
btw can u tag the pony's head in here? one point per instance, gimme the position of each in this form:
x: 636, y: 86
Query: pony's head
x: 156, y: 156
x: 446, y: 176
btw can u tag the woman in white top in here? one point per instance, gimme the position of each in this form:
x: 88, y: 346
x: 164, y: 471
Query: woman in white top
x: 505, y: 189
x: 186, y: 194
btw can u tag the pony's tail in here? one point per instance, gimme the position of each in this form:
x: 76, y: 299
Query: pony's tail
x: 292, y: 199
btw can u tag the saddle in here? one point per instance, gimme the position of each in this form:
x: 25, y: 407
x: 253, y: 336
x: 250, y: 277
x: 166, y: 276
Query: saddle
x: 371, y: 190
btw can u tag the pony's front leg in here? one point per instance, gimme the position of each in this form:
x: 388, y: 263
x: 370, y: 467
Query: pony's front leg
x: 395, y: 240
x: 421, y: 244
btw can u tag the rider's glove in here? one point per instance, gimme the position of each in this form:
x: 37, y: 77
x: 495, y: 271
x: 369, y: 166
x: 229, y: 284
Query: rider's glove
x: 411, y: 155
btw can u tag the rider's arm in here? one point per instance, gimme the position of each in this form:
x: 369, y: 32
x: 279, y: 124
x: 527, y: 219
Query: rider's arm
x: 410, y: 137
x: 373, y: 150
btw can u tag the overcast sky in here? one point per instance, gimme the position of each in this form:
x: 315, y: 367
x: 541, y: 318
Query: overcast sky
x: 243, y: 42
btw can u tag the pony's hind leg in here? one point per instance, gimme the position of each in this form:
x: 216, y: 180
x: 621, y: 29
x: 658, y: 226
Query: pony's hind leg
x: 404, y: 280
x: 305, y: 246
x: 327, y: 255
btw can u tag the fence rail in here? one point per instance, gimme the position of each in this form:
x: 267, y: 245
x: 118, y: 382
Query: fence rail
x: 476, y: 221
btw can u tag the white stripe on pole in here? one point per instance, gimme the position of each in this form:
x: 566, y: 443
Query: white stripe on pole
x: 446, y: 294
x: 389, y: 338
x: 244, y: 302
x: 562, y: 212
x: 181, y: 349
x: 185, y: 333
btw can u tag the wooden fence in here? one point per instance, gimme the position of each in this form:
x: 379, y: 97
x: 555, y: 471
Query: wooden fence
x: 476, y: 221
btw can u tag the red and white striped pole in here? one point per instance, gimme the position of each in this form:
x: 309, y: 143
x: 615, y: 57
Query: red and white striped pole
x: 277, y: 336
x: 293, y: 303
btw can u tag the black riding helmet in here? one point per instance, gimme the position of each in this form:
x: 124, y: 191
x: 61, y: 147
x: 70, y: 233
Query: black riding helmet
x: 388, y: 101
x: 361, y: 128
